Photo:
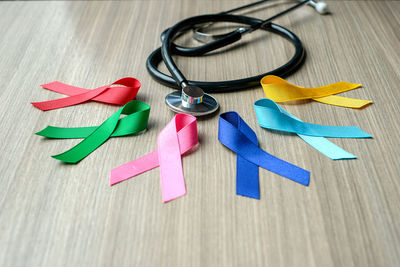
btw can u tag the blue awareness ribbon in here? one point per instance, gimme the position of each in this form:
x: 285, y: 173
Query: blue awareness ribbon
x: 234, y: 133
x: 271, y: 116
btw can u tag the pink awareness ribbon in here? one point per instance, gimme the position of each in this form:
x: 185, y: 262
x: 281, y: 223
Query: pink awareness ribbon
x: 116, y: 95
x: 178, y: 137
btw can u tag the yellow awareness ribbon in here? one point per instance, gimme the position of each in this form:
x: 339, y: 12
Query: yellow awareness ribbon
x: 280, y: 90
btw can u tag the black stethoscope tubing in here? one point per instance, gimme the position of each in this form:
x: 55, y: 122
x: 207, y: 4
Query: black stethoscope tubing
x: 168, y: 48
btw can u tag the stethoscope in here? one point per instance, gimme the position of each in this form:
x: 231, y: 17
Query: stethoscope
x: 191, y: 98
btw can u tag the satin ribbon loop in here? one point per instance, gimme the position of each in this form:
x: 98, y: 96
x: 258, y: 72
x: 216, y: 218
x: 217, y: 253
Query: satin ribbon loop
x: 271, y: 116
x: 136, y: 121
x: 110, y: 94
x: 235, y: 134
x: 178, y: 137
x: 280, y: 90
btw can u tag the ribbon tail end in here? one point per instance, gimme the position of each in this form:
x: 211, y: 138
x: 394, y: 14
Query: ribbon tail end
x: 169, y: 198
x: 43, y: 132
x: 367, y: 135
x: 38, y: 106
x: 350, y: 156
x: 115, y: 179
x: 63, y: 159
x: 306, y: 181
x: 303, y: 178
x: 40, y: 133
x: 366, y: 104
x: 249, y: 195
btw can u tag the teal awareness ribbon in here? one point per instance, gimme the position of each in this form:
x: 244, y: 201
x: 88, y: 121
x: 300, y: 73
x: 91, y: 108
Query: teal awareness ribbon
x: 271, y: 116
x: 136, y: 121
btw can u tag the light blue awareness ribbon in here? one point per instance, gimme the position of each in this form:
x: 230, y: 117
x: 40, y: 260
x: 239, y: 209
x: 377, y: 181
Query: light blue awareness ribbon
x: 271, y: 116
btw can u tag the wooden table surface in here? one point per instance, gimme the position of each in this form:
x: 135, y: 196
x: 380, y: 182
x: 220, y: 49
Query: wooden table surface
x: 54, y: 214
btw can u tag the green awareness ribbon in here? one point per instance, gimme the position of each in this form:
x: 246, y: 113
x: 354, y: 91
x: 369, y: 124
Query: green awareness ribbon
x: 136, y: 121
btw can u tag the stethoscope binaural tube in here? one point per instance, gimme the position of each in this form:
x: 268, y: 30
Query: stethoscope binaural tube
x: 203, y: 37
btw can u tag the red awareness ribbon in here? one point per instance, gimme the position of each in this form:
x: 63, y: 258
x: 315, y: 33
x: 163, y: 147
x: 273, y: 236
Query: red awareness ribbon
x: 178, y: 137
x: 110, y: 94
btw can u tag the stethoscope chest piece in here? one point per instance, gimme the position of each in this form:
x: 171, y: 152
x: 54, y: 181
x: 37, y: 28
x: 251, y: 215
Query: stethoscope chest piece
x: 191, y: 100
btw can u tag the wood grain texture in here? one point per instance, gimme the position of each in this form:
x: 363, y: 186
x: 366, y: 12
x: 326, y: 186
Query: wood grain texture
x: 53, y: 214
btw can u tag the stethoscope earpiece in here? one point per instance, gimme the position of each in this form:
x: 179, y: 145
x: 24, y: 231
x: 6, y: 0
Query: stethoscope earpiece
x: 191, y: 100
x: 320, y: 7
